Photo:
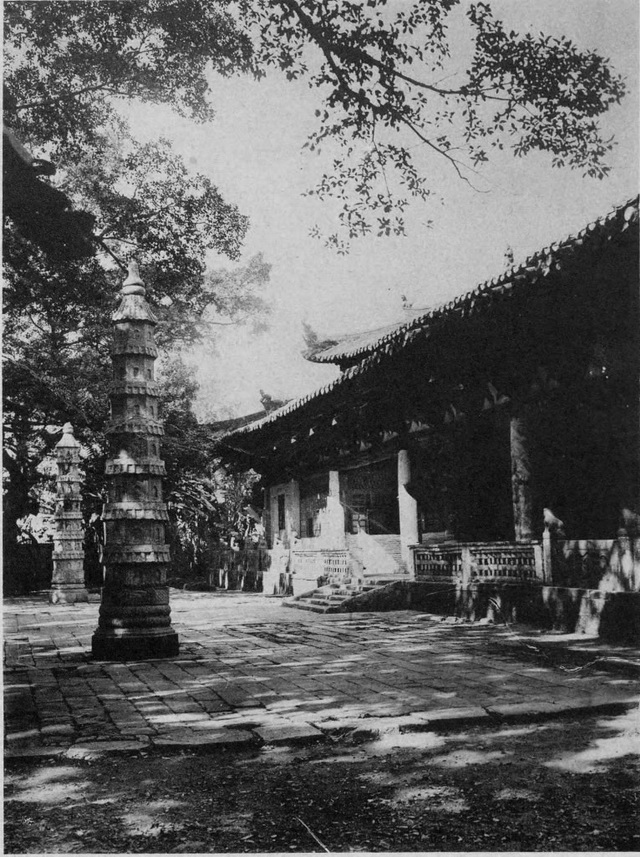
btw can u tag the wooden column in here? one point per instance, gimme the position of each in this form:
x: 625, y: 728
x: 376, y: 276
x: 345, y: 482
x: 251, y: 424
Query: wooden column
x: 267, y: 518
x: 521, y: 488
x: 292, y: 512
x: 408, y: 510
x: 334, y: 483
x: 332, y: 535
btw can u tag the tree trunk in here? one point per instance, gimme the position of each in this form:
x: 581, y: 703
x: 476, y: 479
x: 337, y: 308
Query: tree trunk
x: 16, y: 498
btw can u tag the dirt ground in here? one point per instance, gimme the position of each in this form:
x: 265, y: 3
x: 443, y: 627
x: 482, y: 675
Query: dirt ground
x: 563, y: 785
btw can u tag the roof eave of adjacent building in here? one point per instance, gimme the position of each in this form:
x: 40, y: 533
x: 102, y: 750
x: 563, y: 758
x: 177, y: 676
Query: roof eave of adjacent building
x: 537, y: 266
x: 533, y: 264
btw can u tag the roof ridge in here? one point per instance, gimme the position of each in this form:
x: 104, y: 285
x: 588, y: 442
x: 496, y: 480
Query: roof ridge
x: 510, y: 273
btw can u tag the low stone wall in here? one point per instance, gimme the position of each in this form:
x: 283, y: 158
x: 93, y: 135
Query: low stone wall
x: 425, y: 596
x: 28, y: 569
x: 508, y: 601
x: 613, y: 616
x: 588, y: 586
x: 300, y: 570
x: 620, y: 618
x: 610, y: 565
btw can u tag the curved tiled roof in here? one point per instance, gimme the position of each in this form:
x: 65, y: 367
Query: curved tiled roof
x: 385, y: 341
x: 360, y: 344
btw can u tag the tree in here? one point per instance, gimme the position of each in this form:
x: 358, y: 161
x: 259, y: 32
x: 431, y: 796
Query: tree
x: 207, y: 508
x: 57, y: 362
x: 378, y: 70
x: 57, y: 312
x: 206, y: 502
x: 378, y: 74
x: 382, y: 73
x: 66, y: 65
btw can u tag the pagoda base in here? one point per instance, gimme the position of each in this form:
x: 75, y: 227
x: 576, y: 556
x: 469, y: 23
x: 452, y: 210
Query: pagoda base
x: 68, y: 596
x: 134, y: 647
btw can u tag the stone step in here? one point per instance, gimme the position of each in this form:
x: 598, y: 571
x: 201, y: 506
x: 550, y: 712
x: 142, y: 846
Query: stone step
x: 304, y: 605
x: 344, y: 585
x: 327, y: 589
x: 329, y: 597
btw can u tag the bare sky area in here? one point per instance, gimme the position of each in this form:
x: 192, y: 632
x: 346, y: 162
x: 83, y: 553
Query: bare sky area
x: 252, y: 152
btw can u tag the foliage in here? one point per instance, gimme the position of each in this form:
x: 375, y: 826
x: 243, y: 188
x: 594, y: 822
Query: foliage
x: 68, y: 63
x: 378, y: 70
x: 63, y: 64
x: 381, y: 74
x: 206, y: 503
x: 207, y: 507
x: 312, y: 340
x: 57, y: 363
x: 235, y: 294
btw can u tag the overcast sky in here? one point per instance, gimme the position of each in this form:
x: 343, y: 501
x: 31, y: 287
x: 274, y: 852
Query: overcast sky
x: 252, y: 152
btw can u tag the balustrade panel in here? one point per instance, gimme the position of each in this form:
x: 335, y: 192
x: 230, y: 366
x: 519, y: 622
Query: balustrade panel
x: 437, y: 562
x: 320, y: 563
x: 478, y: 561
x: 513, y: 561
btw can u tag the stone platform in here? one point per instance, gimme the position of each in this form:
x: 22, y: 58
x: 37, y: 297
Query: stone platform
x: 250, y: 671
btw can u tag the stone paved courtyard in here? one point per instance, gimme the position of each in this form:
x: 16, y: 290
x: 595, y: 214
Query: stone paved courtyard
x: 249, y: 670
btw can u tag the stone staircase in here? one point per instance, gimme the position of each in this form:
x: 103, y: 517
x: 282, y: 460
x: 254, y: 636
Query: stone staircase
x: 391, y: 546
x: 377, y: 556
x: 375, y: 561
x: 331, y: 597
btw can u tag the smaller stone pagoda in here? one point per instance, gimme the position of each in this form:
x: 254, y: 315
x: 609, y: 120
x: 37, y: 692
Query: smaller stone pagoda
x: 67, y: 584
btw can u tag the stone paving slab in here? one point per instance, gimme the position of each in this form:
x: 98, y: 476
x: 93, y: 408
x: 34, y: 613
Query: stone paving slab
x: 217, y: 738
x: 250, y: 671
x: 288, y: 733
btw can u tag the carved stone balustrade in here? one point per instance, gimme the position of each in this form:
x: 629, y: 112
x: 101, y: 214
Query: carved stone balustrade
x: 437, y: 561
x: 479, y: 561
x: 311, y: 568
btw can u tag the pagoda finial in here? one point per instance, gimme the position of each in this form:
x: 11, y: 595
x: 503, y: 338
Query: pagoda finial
x: 133, y: 303
x: 133, y: 277
x: 133, y: 285
x: 67, y: 439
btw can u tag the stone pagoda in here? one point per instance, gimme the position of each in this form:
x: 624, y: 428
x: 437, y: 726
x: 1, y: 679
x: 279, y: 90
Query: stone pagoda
x: 134, y: 614
x: 67, y: 584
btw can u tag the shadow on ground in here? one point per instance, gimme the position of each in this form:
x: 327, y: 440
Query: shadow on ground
x: 564, y: 785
